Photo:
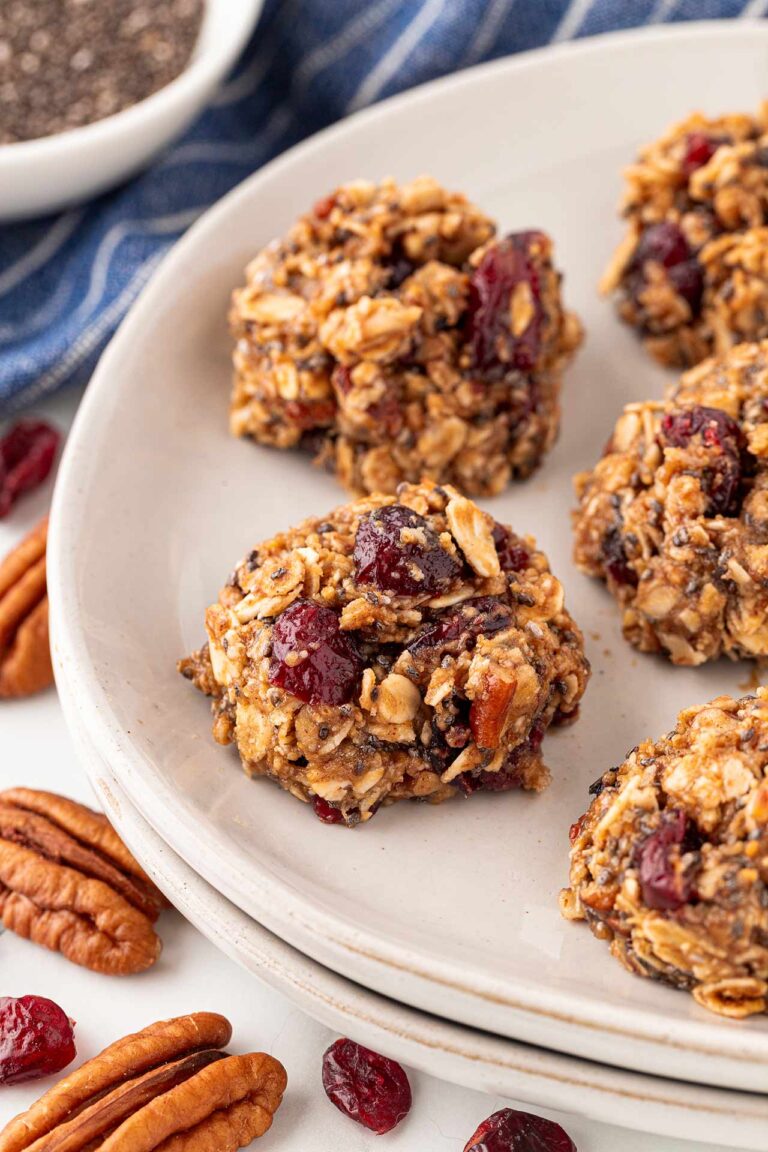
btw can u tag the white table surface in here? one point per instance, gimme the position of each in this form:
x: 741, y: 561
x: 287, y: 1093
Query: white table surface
x: 192, y: 975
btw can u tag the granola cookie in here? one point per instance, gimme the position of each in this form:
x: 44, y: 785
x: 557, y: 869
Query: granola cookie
x: 390, y: 333
x: 674, y: 517
x: 670, y: 861
x: 403, y: 646
x: 692, y: 271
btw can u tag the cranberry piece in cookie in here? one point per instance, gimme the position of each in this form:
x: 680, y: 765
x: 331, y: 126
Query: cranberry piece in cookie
x: 506, y: 268
x: 662, y: 883
x: 311, y: 657
x: 724, y: 440
x: 398, y: 552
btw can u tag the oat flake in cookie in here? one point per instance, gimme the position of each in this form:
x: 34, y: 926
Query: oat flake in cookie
x: 669, y: 863
x: 401, y: 647
x: 692, y: 271
x: 674, y: 517
x: 392, y: 334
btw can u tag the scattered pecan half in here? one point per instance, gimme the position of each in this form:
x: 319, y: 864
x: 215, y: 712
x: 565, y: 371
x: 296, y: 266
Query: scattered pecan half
x: 68, y: 882
x: 167, y: 1087
x: 25, y: 658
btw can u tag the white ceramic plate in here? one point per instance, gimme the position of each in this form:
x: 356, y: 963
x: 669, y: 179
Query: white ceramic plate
x: 472, y: 1059
x: 450, y: 909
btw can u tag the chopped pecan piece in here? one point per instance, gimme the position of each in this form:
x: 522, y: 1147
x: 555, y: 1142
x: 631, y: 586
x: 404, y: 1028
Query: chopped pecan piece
x: 488, y: 714
x: 168, y: 1086
x: 25, y: 659
x: 68, y: 882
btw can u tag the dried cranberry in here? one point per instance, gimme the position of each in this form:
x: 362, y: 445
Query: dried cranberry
x: 480, y: 617
x: 308, y: 414
x: 483, y: 781
x: 397, y: 551
x: 36, y: 1038
x: 327, y: 812
x: 615, y: 557
x: 504, y: 266
x: 26, y: 457
x: 663, y: 885
x: 508, y: 777
x: 323, y: 207
x: 311, y: 657
x: 699, y: 150
x: 513, y: 556
x: 513, y: 1131
x: 721, y: 480
x: 665, y: 244
x: 365, y: 1086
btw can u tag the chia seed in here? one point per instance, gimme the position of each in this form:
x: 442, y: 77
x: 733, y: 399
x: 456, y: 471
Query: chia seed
x: 66, y: 63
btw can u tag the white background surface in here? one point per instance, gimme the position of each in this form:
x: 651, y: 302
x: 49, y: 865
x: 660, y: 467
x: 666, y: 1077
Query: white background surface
x: 191, y: 975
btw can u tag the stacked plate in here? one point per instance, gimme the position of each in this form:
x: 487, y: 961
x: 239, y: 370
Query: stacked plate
x: 431, y: 933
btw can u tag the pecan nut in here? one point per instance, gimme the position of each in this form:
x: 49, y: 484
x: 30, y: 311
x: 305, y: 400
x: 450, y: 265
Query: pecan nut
x: 168, y: 1087
x: 25, y: 658
x: 68, y: 882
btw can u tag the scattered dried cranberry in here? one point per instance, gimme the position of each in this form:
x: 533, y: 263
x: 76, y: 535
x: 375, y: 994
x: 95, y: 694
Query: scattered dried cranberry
x: 327, y: 812
x: 26, y: 457
x: 365, y: 1086
x: 699, y: 150
x: 663, y: 885
x: 513, y: 1131
x: 406, y: 567
x: 513, y: 556
x: 505, y: 265
x: 615, y: 557
x: 311, y: 657
x: 716, y: 430
x: 665, y: 244
x: 36, y: 1038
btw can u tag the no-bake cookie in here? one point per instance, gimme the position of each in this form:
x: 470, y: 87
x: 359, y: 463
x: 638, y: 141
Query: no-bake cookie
x: 393, y: 335
x: 403, y: 646
x: 692, y: 271
x: 674, y: 517
x: 670, y: 862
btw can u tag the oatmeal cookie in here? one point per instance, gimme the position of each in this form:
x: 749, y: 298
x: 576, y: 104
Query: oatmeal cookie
x: 674, y: 517
x: 401, y: 647
x: 670, y: 861
x: 391, y: 334
x: 692, y: 271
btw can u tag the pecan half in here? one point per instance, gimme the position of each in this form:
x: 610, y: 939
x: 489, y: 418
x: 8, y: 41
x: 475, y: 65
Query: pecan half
x: 68, y: 882
x: 168, y: 1087
x: 25, y: 658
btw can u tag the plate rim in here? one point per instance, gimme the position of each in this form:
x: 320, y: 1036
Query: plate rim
x: 410, y: 1030
x: 137, y: 770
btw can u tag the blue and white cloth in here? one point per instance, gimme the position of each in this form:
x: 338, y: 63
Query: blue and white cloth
x: 66, y: 282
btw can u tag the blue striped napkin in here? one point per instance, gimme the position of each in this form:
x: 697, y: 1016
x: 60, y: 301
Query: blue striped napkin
x: 66, y: 282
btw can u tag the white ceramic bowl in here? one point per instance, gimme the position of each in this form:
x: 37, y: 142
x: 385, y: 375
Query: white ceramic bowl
x: 46, y: 175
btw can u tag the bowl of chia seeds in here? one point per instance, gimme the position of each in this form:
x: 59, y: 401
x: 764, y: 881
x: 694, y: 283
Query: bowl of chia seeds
x: 92, y: 90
